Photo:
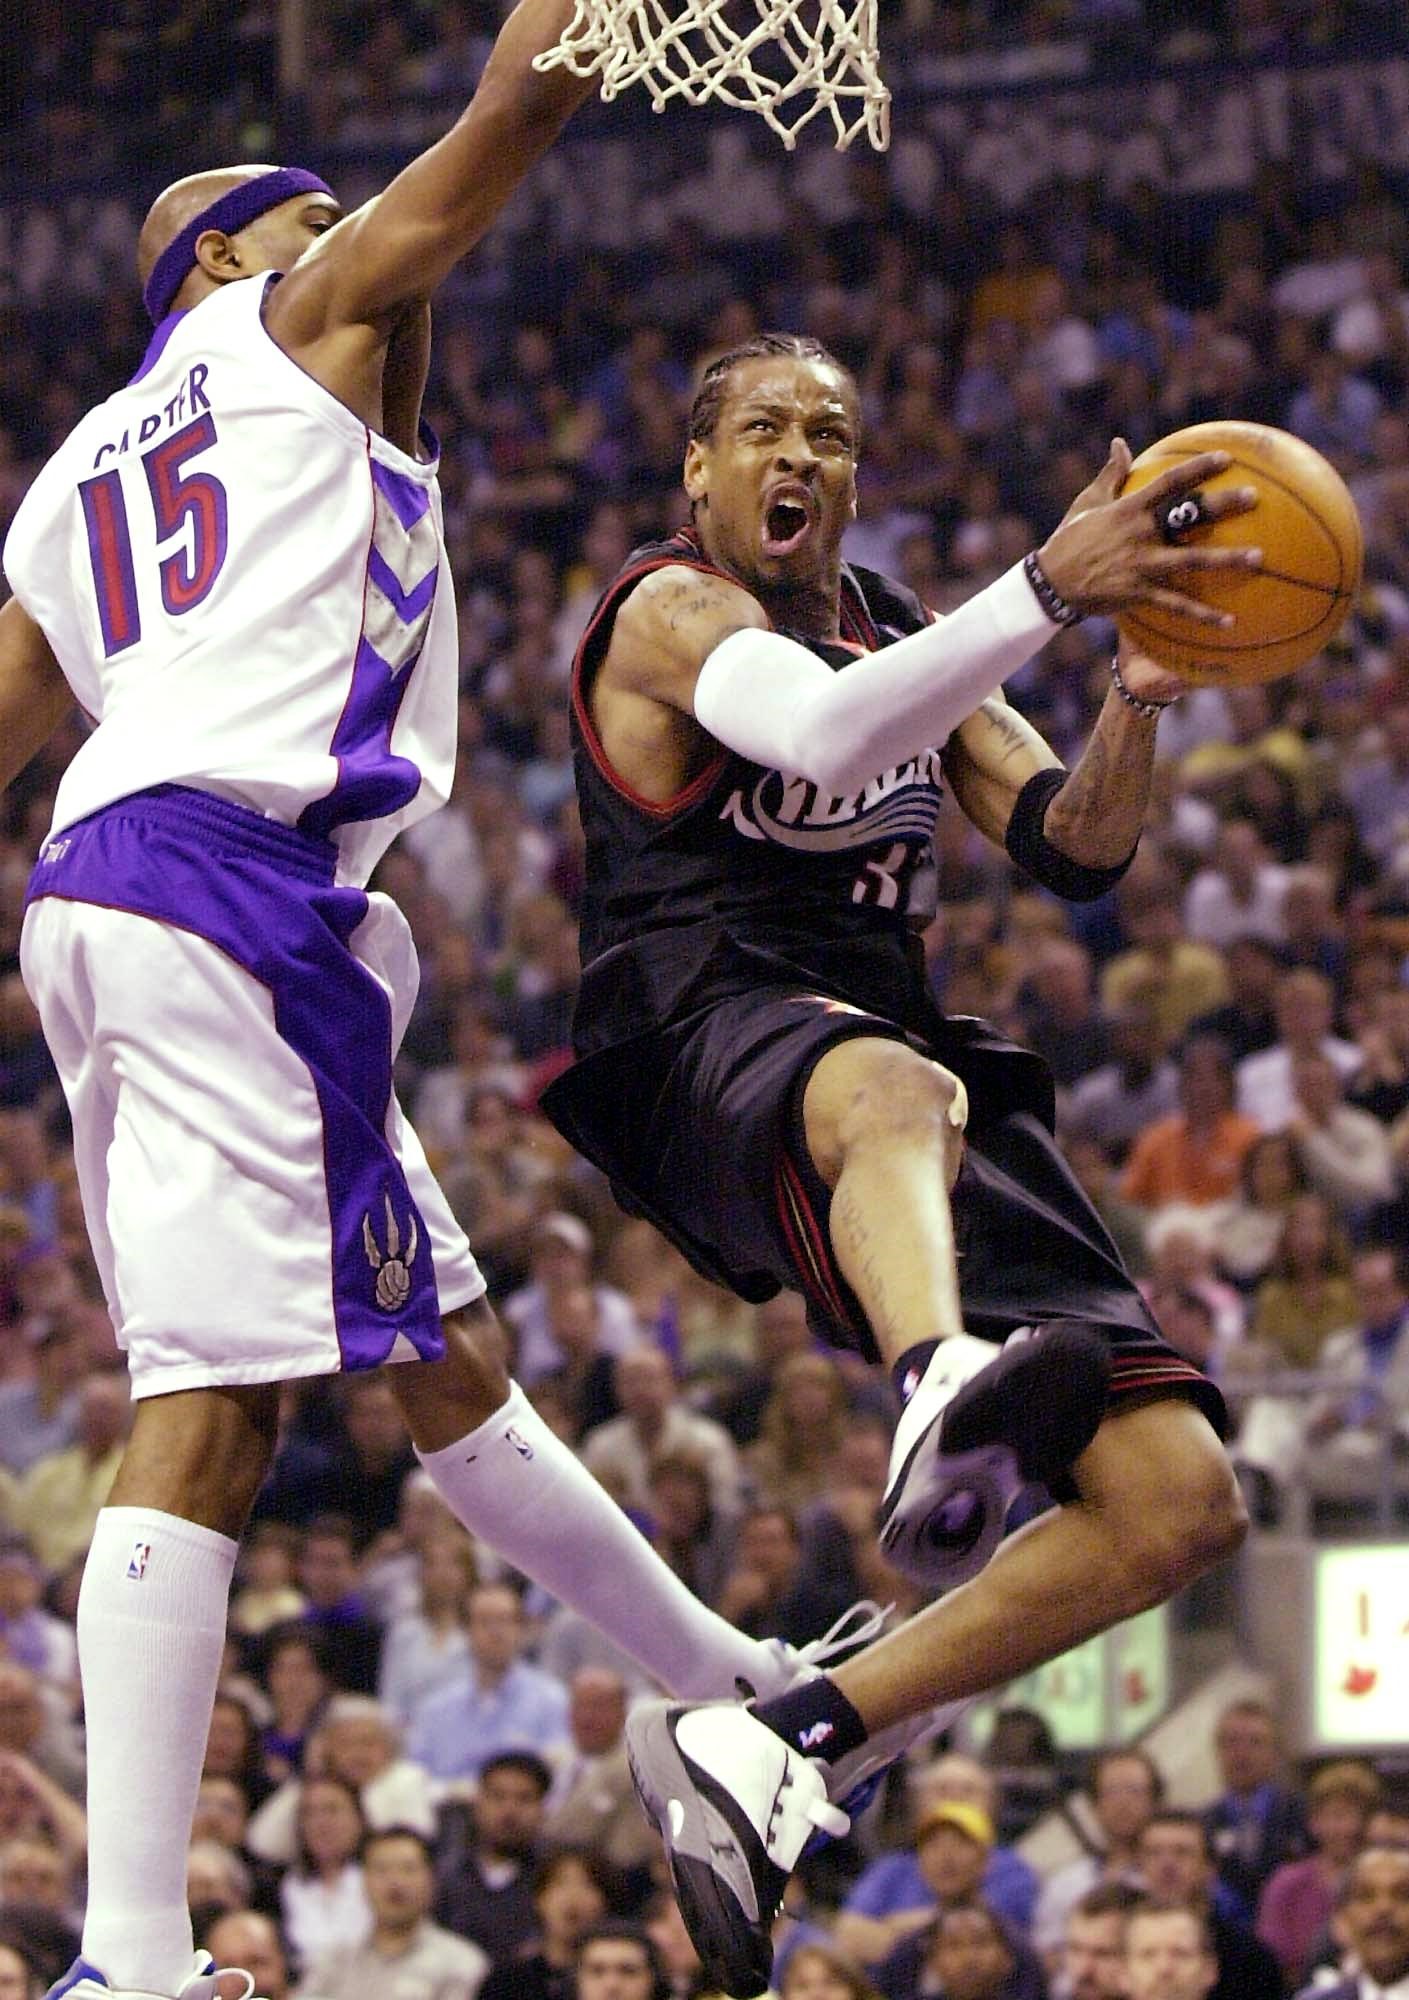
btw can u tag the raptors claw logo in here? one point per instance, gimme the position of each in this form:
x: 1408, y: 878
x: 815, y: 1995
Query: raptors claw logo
x: 393, y: 1270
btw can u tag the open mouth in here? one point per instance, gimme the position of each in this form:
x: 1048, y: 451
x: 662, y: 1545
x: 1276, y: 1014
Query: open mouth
x: 787, y: 523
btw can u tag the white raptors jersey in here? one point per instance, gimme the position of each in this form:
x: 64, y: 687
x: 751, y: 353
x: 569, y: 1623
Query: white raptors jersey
x: 247, y: 591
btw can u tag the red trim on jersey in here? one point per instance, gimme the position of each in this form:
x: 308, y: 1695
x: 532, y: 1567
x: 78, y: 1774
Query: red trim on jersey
x: 814, y: 1239
x: 689, y: 794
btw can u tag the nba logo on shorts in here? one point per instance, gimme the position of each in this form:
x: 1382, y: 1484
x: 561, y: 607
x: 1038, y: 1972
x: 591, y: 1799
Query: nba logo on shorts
x: 137, y: 1566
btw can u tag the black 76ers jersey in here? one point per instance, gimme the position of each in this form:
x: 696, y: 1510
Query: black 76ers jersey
x: 758, y: 854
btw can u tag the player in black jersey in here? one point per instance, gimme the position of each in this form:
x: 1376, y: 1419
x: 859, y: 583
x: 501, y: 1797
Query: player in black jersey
x: 762, y: 736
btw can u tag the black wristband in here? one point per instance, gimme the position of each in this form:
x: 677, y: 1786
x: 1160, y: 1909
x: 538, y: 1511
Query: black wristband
x: 1055, y: 606
x: 1026, y: 841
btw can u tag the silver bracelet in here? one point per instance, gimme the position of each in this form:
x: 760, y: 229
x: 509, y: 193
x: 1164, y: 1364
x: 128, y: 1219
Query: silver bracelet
x: 1149, y: 709
x: 1044, y: 590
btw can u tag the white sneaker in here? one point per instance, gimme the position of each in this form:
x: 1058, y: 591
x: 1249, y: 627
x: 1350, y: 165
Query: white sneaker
x: 735, y: 1806
x: 83, y: 1981
x: 981, y: 1426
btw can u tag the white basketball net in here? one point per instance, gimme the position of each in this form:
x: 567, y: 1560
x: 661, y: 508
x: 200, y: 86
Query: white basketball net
x: 823, y: 52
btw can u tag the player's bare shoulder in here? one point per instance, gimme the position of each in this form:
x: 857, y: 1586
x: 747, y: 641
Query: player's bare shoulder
x: 668, y: 627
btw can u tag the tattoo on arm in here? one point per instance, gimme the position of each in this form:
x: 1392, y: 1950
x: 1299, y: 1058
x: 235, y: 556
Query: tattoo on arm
x: 1097, y: 815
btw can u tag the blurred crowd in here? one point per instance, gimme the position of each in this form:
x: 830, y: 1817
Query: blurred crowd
x: 107, y: 80
x: 1229, y: 1033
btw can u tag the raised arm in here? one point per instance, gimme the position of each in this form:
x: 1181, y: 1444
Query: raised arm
x: 698, y: 644
x: 1074, y: 831
x: 34, y: 696
x: 397, y: 248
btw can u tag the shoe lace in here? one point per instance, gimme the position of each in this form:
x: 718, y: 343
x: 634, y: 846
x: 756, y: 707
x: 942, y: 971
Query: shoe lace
x: 867, y: 1621
x: 238, y: 1971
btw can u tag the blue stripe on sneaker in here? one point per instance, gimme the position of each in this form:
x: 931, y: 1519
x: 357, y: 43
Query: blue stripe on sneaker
x: 75, y: 1976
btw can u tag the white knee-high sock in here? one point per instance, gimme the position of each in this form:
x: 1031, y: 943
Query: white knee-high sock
x: 151, y: 1629
x: 517, y: 1484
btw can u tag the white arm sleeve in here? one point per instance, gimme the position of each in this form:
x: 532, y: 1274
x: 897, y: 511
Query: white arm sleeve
x: 767, y: 697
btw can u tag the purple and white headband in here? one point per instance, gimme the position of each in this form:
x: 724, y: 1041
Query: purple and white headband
x: 232, y: 212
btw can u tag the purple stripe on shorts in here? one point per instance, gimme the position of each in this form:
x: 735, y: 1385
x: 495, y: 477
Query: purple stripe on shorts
x: 408, y: 604
x: 264, y: 893
x: 372, y: 783
x: 408, y: 498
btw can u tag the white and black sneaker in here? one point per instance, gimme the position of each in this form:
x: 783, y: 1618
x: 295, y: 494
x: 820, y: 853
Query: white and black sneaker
x: 735, y: 1806
x: 979, y: 1427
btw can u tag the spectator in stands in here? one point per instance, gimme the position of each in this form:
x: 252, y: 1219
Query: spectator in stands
x: 1057, y: 1003
x: 1304, y: 1007
x: 1091, y: 1965
x: 1176, y: 977
x: 298, y: 1684
x: 1298, y: 1899
x: 1169, y: 1954
x: 773, y: 1589
x: 1251, y: 1224
x: 1257, y: 1822
x: 18, y: 1978
x: 322, y: 1897
x: 1196, y: 1155
x: 30, y: 1635
x: 427, y: 1650
x: 216, y: 1877
x: 894, y: 1897
x: 39, y: 1412
x: 1372, y: 1355
x: 1239, y: 894
x: 686, y: 1528
x: 803, y: 1423
x: 35, y: 1730
x: 350, y: 1638
x: 1379, y: 790
x: 1139, y: 1085
x: 780, y: 1331
x: 561, y: 1254
x: 502, y: 1703
x: 266, y: 1594
x: 358, y: 1743
x: 1176, y: 1857
x: 485, y: 1854
x: 617, y: 1961
x: 250, y: 1939
x: 964, y: 1952
x: 404, y: 1945
x: 654, y: 1420
x: 593, y: 1804
x: 1373, y: 1922
x: 584, y: 1382
x: 1346, y: 1151
x: 814, y: 1971
x: 373, y: 1456
x: 59, y: 1497
x: 1308, y: 1293
x: 1127, y: 1789
x: 1246, y: 1023
x: 572, y: 1890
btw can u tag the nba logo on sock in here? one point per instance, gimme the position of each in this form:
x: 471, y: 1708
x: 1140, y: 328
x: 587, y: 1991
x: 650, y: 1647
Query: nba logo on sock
x: 137, y: 1566
x: 519, y: 1442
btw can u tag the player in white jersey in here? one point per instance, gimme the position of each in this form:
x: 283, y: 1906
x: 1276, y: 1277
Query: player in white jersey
x: 236, y: 567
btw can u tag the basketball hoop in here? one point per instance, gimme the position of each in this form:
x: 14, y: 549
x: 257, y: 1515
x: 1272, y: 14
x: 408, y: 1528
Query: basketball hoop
x: 824, y: 54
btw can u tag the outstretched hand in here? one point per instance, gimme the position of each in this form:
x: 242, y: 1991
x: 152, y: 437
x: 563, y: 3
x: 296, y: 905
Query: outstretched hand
x: 1111, y: 550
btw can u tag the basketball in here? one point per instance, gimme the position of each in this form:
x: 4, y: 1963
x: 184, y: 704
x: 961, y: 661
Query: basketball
x: 1306, y: 525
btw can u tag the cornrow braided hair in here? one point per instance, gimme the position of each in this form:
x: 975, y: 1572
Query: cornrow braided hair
x: 714, y: 389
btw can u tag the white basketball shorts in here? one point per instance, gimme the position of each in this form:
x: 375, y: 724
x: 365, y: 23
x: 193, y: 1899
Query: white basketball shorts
x: 224, y: 1019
